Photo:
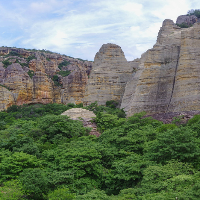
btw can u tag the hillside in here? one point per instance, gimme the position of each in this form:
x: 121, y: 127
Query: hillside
x: 33, y: 76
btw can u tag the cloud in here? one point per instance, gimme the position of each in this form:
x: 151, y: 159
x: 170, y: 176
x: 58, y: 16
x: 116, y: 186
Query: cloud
x: 78, y: 28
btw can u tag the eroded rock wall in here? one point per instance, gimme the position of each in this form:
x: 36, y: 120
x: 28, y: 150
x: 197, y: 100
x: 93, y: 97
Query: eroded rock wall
x: 29, y: 76
x: 109, y: 75
x: 167, y: 79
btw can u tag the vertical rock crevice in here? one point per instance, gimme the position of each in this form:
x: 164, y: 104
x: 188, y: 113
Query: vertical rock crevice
x: 175, y: 73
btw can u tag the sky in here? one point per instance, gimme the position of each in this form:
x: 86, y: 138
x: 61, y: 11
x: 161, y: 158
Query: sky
x: 78, y: 28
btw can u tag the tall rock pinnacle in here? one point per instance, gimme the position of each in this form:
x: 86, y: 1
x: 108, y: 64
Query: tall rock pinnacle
x: 109, y: 75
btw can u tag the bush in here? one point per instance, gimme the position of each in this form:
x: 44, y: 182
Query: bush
x: 31, y: 73
x: 11, y: 190
x: 64, y: 63
x: 183, y: 25
x: 56, y: 80
x: 61, y: 194
x: 195, y: 12
x: 64, y: 73
x: 6, y: 63
x: 34, y: 182
x: 112, y: 104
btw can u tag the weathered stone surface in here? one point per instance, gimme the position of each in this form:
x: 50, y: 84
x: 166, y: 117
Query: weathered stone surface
x: 2, y: 71
x: 150, y: 88
x: 6, y: 98
x: 19, y: 82
x: 186, y: 95
x: 74, y: 87
x: 167, y: 79
x: 76, y: 113
x: 189, y: 20
x: 42, y: 88
x: 109, y: 75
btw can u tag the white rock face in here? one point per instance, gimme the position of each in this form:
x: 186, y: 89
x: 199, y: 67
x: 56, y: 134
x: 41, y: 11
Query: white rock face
x: 76, y: 113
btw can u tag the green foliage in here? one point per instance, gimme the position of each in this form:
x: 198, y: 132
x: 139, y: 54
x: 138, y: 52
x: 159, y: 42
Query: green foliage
x: 31, y: 73
x: 11, y: 190
x: 13, y: 53
x: 64, y: 73
x: 195, y: 12
x: 5, y: 87
x: 184, y: 25
x: 6, y: 63
x: 179, y: 143
x: 52, y: 125
x: 111, y: 104
x: 94, y: 194
x: 61, y: 194
x: 34, y: 182
x: 64, y: 63
x: 30, y: 58
x: 11, y: 166
x: 45, y: 155
x: 56, y: 80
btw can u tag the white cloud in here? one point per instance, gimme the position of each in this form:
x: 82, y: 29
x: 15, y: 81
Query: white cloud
x: 78, y: 28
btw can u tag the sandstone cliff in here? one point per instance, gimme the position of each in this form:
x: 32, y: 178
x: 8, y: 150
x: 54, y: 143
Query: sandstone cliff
x: 167, y: 79
x: 41, y: 77
x: 109, y: 75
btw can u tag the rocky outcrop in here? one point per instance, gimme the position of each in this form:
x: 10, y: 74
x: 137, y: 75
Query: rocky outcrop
x: 150, y: 88
x: 74, y: 87
x: 187, y: 19
x: 6, y: 98
x: 19, y: 82
x: 30, y: 77
x: 85, y: 116
x: 186, y: 95
x: 167, y: 79
x: 109, y: 75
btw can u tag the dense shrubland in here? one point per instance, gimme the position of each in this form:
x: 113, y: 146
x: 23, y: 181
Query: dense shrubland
x: 44, y: 155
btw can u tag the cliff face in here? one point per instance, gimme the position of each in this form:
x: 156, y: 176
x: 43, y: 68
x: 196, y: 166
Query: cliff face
x: 109, y: 75
x: 167, y: 79
x: 40, y: 77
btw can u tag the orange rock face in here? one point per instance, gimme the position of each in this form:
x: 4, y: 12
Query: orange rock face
x: 31, y: 81
x: 75, y: 85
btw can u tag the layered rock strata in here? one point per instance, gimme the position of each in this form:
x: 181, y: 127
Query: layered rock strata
x: 29, y: 75
x: 167, y: 79
x: 109, y: 75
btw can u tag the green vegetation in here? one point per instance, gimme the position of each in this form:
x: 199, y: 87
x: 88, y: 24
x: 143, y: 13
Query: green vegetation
x: 48, y: 156
x: 64, y: 63
x: 195, y: 12
x: 31, y: 73
x: 64, y: 73
x: 56, y: 81
x: 6, y: 63
x: 5, y: 87
x: 183, y: 25
x: 30, y: 58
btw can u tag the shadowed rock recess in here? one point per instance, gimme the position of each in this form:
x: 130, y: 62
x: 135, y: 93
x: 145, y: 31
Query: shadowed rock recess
x: 165, y: 79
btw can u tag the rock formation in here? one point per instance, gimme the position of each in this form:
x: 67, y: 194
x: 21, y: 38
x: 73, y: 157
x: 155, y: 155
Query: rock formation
x: 6, y: 98
x: 109, y: 75
x: 167, y: 79
x: 85, y: 116
x: 187, y: 19
x: 29, y: 75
